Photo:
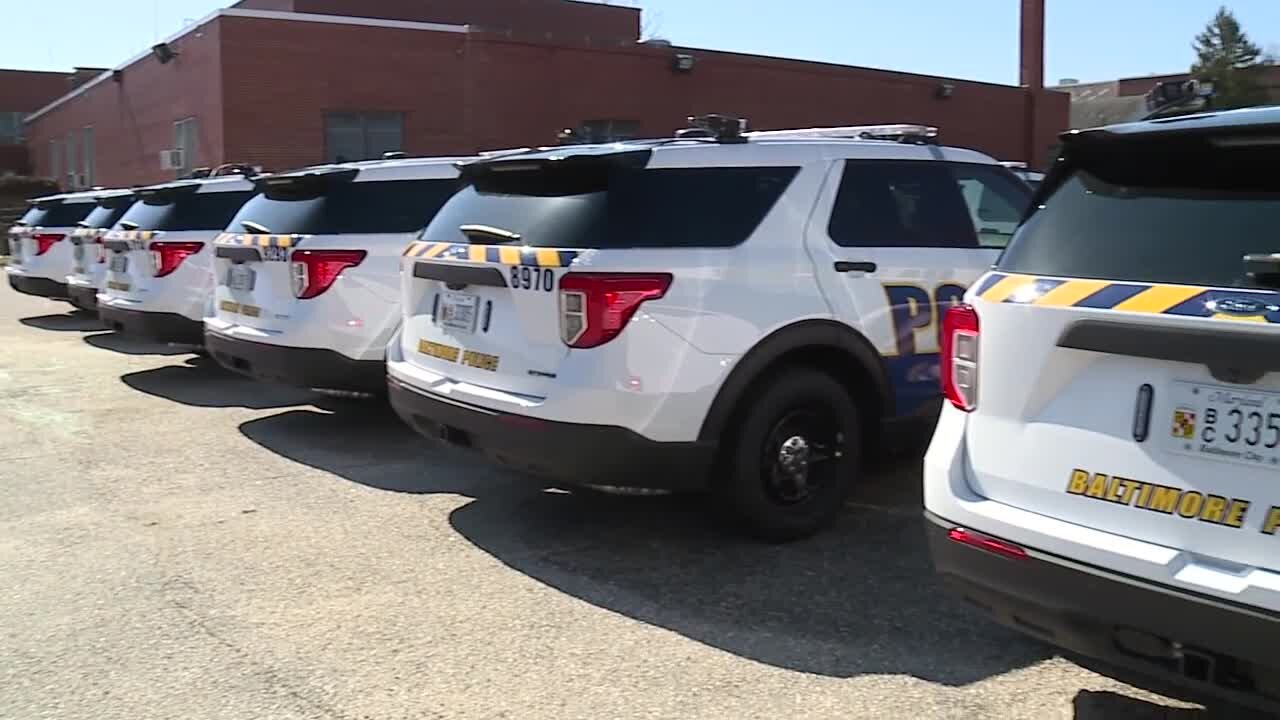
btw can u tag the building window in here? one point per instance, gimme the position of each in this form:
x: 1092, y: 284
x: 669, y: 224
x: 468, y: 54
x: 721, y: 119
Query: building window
x: 362, y: 135
x: 72, y: 180
x: 87, y: 151
x: 187, y: 139
x: 55, y: 160
x: 11, y: 131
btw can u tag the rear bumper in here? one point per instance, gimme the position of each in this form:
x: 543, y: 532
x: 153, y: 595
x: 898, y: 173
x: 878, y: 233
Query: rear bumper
x: 1208, y: 646
x: 38, y: 286
x: 84, y: 297
x: 572, y: 453
x: 302, y: 367
x: 161, y: 327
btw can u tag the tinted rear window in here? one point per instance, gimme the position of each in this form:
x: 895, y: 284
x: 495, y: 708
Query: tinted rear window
x: 1183, y: 213
x: 65, y: 214
x: 618, y: 207
x: 400, y: 206
x: 106, y: 216
x: 186, y: 211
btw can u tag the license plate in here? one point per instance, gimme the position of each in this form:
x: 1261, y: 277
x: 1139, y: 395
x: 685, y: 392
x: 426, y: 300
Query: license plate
x: 241, y: 277
x: 458, y: 311
x: 1230, y: 424
x: 119, y: 263
x: 77, y: 252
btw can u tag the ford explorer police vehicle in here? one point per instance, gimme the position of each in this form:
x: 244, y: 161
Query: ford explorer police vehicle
x: 88, y: 254
x: 39, y: 251
x: 308, y: 273
x: 1106, y: 474
x: 159, y: 278
x: 744, y: 313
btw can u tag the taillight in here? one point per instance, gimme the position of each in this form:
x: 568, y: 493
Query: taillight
x: 167, y: 256
x: 100, y: 246
x: 960, y: 357
x: 595, y: 307
x: 45, y: 241
x: 986, y: 543
x: 314, y: 271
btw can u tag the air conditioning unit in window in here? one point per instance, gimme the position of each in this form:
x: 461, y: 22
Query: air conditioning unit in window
x: 172, y: 159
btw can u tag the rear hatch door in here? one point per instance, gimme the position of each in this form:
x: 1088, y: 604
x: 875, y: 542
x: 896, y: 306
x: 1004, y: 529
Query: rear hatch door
x: 89, y: 255
x: 1129, y: 374
x: 332, y: 211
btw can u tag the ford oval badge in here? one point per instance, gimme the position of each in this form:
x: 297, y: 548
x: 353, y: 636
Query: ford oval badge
x: 1241, y: 306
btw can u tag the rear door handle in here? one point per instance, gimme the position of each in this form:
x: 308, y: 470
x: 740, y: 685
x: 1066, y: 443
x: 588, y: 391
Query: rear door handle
x: 844, y: 266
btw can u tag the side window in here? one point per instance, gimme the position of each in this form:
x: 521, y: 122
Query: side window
x: 996, y: 202
x: 900, y: 203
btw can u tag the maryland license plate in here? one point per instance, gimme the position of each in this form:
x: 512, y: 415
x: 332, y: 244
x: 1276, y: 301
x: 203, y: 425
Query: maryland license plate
x: 458, y: 311
x: 1231, y: 424
x: 240, y: 277
x: 119, y: 263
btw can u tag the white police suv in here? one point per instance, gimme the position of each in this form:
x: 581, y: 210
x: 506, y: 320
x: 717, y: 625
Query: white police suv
x: 747, y: 313
x: 159, y: 279
x: 308, y: 272
x: 40, y: 253
x: 88, y: 254
x: 1106, y: 474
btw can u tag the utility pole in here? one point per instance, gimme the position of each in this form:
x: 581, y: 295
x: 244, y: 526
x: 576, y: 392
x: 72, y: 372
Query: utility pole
x: 1031, y: 75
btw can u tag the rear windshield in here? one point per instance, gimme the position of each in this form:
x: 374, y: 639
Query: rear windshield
x: 105, y: 216
x: 1184, y: 213
x: 186, y: 211
x: 399, y: 206
x: 618, y: 208
x: 64, y: 214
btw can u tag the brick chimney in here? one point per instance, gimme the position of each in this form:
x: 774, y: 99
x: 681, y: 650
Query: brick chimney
x: 1031, y: 71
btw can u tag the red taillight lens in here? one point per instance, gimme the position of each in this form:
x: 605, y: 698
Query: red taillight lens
x: 167, y: 256
x: 960, y: 357
x: 314, y: 271
x: 45, y: 241
x: 986, y: 543
x: 595, y: 307
x: 101, y: 249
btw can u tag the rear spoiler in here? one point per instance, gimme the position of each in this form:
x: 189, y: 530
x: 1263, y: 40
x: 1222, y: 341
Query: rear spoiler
x: 316, y: 177
x: 518, y: 163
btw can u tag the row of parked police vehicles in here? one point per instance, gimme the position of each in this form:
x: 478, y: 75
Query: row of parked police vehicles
x: 754, y: 315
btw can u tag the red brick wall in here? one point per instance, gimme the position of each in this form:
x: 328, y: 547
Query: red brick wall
x: 133, y: 119
x: 559, y: 87
x: 281, y: 77
x: 25, y: 91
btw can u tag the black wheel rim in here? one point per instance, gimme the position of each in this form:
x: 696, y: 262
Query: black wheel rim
x: 802, y: 454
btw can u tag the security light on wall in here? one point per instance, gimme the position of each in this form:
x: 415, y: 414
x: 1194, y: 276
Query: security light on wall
x: 164, y: 53
x: 683, y: 63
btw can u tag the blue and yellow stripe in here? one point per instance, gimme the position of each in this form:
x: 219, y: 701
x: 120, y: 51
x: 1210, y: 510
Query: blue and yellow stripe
x: 1131, y: 297
x: 134, y: 235
x: 493, y: 254
x: 249, y: 240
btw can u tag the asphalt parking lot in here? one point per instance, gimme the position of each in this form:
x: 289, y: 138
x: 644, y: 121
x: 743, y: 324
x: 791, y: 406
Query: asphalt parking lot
x: 179, y: 542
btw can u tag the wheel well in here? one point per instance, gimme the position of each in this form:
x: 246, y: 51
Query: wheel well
x: 834, y: 349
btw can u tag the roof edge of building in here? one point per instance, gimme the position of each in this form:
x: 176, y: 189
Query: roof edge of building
x: 253, y: 14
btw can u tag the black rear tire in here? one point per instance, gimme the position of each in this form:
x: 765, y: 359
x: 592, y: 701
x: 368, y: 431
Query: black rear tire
x: 792, y: 457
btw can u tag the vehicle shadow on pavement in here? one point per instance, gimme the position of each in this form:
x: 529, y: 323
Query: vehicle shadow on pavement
x: 859, y: 599
x: 73, y: 321
x: 126, y: 345
x: 1095, y: 705
x: 201, y: 382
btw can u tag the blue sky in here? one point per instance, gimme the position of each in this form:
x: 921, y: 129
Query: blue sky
x: 973, y: 39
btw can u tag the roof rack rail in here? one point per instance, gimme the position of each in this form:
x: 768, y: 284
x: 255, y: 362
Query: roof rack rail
x: 900, y: 132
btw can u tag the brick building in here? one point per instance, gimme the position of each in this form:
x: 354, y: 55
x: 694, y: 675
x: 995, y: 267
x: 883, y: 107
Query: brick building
x: 23, y: 92
x: 286, y: 83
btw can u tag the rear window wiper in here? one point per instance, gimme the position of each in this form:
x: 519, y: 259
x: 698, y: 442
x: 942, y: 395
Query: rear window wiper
x: 129, y: 225
x: 488, y: 231
x: 255, y: 228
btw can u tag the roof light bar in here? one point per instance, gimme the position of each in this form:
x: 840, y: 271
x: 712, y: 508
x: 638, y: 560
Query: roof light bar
x: 901, y: 132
